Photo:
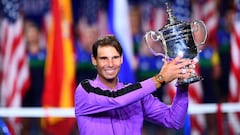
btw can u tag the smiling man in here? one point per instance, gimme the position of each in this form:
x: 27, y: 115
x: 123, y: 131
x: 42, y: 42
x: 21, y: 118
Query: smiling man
x: 107, y: 106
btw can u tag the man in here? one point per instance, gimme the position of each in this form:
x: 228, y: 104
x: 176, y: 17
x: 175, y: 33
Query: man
x: 107, y: 106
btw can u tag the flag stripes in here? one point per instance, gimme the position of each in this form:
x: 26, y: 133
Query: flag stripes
x: 60, y: 66
x: 14, y: 62
x: 234, y: 77
x: 15, y: 74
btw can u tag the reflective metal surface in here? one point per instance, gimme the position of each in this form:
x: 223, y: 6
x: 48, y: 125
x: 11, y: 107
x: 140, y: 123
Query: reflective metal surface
x: 177, y: 37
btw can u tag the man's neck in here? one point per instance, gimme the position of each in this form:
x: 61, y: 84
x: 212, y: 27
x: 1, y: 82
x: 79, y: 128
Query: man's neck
x: 111, y: 83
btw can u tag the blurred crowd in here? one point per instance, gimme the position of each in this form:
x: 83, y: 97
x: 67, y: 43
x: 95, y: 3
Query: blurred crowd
x: 91, y: 21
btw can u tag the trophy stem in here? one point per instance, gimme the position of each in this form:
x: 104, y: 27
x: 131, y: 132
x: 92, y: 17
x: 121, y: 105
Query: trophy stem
x: 192, y: 79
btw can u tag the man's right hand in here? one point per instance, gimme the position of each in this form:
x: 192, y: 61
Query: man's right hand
x: 175, y: 68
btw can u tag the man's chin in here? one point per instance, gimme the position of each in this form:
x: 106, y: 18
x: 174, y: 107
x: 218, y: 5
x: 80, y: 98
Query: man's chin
x: 110, y: 78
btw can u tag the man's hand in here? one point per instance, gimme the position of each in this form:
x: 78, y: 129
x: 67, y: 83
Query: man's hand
x: 174, y: 69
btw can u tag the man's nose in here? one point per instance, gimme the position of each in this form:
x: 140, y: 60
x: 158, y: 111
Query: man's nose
x: 110, y: 62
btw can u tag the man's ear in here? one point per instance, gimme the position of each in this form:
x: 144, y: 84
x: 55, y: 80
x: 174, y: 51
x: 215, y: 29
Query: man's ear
x: 122, y: 59
x: 94, y: 62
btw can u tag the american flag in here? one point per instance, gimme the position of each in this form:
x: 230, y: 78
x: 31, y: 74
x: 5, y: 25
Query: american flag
x: 207, y: 11
x: 15, y: 73
x: 210, y: 15
x: 234, y: 118
x: 154, y: 15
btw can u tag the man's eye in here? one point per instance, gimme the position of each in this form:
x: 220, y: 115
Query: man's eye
x: 103, y: 58
x: 115, y: 57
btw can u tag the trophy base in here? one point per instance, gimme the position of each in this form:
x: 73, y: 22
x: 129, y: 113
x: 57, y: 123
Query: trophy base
x: 188, y: 80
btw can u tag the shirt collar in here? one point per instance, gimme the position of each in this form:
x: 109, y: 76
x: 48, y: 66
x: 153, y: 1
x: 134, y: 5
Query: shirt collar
x: 100, y: 84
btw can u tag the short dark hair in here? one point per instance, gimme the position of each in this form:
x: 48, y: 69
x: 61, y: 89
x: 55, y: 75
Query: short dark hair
x: 107, y: 40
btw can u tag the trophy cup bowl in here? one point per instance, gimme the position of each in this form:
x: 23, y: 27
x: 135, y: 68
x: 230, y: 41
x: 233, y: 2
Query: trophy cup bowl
x: 177, y: 38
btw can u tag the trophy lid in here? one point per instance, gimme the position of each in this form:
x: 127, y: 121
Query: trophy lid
x: 171, y: 20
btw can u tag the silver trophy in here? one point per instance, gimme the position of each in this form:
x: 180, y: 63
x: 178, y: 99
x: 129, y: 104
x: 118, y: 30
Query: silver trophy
x: 179, y: 38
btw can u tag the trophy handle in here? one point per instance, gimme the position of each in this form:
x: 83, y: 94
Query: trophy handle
x: 197, y: 26
x: 155, y: 37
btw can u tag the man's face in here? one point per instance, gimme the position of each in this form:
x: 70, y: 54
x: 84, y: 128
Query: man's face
x: 107, y: 63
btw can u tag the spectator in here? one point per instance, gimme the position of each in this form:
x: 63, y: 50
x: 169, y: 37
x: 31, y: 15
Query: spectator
x: 209, y: 69
x: 223, y: 37
x: 36, y: 55
x: 86, y: 35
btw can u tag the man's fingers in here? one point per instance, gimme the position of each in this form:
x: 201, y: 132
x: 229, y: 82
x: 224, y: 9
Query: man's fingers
x: 177, y: 59
x: 184, y: 76
x: 183, y: 63
x: 195, y: 60
x: 178, y: 68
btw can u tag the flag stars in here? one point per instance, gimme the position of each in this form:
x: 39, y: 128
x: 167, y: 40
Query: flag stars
x: 11, y: 9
